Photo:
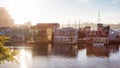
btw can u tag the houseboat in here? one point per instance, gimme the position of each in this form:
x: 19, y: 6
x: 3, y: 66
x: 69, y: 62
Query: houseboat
x: 82, y: 34
x: 98, y: 37
x: 114, y: 36
x: 42, y: 33
x: 65, y: 36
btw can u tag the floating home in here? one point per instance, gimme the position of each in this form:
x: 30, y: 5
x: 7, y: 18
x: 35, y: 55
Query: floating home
x: 114, y: 36
x: 99, y: 37
x: 65, y: 36
x: 42, y: 32
x: 82, y: 34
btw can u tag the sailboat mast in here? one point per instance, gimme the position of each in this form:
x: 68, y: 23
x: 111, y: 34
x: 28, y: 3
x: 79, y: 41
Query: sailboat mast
x: 69, y: 22
x: 99, y: 16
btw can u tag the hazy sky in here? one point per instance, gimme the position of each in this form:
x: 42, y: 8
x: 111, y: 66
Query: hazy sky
x: 62, y: 10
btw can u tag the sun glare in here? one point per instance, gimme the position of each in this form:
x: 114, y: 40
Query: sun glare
x: 24, y: 58
x: 38, y: 11
x: 21, y: 10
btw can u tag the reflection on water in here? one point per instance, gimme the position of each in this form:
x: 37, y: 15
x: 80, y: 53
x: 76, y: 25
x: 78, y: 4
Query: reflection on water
x: 98, y: 51
x: 66, y: 56
x: 101, y: 51
x: 41, y: 50
x: 24, y: 57
x: 65, y: 50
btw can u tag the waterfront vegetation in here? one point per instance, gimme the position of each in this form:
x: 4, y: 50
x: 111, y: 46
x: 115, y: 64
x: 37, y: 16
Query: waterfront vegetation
x: 6, y: 54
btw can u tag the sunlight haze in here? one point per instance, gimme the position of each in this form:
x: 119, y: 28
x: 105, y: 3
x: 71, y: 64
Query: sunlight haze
x: 61, y: 11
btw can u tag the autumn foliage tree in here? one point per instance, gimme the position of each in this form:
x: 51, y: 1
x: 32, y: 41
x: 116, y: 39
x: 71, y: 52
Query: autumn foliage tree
x: 5, y: 53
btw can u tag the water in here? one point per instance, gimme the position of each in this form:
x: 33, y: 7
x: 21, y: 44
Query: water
x: 65, y: 56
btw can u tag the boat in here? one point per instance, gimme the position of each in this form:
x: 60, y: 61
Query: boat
x: 31, y: 42
x: 99, y: 37
x: 98, y: 44
x: 65, y: 36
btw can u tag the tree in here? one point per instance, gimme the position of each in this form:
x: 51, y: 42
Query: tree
x: 5, y: 18
x: 5, y: 53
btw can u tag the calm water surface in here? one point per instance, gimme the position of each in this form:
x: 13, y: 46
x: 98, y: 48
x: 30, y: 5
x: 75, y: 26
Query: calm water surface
x: 65, y: 56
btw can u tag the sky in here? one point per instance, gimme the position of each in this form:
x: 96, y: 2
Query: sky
x: 62, y: 11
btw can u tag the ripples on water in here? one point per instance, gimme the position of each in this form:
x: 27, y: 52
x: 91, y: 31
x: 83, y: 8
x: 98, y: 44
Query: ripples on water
x: 65, y: 56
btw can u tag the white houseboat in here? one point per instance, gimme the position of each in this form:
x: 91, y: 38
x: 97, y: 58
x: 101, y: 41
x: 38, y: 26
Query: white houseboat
x: 65, y: 36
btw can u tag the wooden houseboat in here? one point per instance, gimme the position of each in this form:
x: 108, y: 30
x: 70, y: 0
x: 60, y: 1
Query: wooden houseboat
x: 99, y: 37
x: 42, y: 33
